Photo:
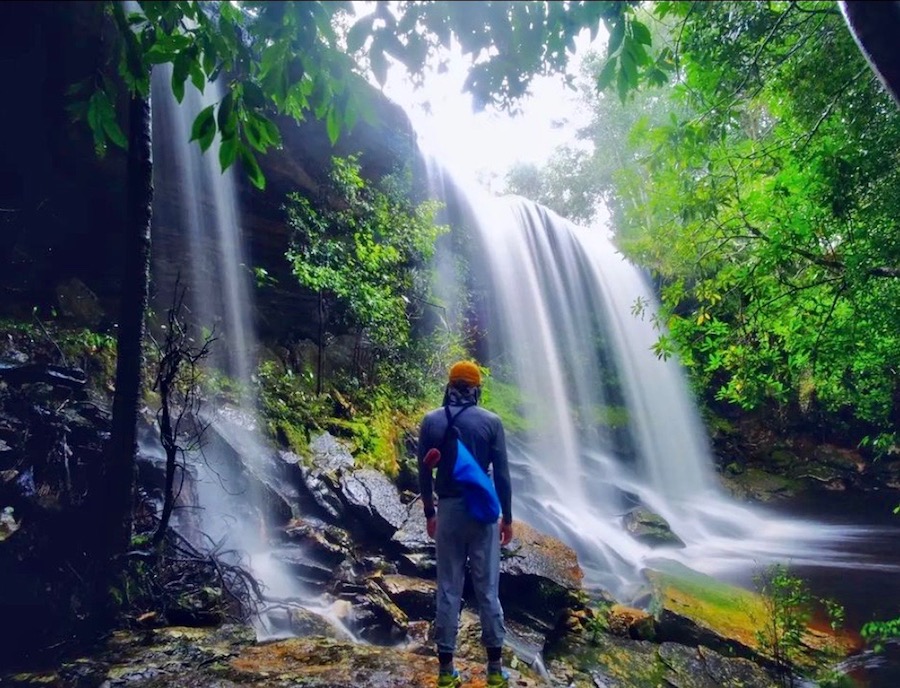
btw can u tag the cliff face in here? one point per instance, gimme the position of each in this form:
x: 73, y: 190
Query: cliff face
x: 62, y: 206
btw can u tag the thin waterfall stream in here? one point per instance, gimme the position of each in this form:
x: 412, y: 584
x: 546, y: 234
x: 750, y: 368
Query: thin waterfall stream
x: 236, y: 472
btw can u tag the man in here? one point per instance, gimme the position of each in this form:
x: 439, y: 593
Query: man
x: 459, y: 536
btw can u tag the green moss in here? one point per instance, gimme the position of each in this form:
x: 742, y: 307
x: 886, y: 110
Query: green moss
x: 611, y: 416
x: 294, y: 437
x: 505, y: 399
x: 628, y: 663
x: 52, y: 342
x: 728, y: 610
x: 376, y: 438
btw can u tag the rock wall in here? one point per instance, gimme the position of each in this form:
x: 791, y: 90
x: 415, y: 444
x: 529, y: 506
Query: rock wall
x: 62, y: 207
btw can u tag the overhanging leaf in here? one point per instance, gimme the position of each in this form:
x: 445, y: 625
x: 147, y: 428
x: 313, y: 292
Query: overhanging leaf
x: 252, y: 168
x: 607, y: 74
x: 228, y: 151
x: 204, y: 127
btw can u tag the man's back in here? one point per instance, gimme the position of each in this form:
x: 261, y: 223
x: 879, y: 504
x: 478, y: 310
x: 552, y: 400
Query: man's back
x: 482, y: 433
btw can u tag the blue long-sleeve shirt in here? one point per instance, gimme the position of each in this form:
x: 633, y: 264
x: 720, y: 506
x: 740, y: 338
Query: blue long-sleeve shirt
x: 482, y: 433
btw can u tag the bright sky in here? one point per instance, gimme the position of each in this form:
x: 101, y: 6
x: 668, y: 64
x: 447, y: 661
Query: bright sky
x: 485, y: 145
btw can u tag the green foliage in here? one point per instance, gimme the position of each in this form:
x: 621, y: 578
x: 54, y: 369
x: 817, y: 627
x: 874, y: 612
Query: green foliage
x: 789, y: 607
x: 788, y: 603
x: 877, y: 633
x: 596, y: 625
x: 283, y: 58
x: 764, y: 199
x: 370, y: 254
x: 509, y: 42
x: 377, y: 435
x: 55, y: 342
x: 504, y: 399
x: 289, y: 405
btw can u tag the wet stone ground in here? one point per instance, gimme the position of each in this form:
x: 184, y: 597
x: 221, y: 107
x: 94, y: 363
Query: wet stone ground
x: 229, y: 656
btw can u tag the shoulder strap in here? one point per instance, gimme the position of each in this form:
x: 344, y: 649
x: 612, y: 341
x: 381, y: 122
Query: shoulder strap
x: 451, y: 419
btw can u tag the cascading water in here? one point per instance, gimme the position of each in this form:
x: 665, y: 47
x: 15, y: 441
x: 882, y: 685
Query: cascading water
x: 196, y: 228
x: 571, y: 324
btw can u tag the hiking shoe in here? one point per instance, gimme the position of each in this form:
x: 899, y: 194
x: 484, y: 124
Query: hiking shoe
x: 453, y: 680
x: 498, y: 679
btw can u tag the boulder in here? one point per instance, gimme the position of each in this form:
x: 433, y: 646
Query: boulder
x: 373, y: 501
x: 249, y: 469
x: 415, y: 596
x: 650, y: 528
x: 303, y: 622
x: 304, y: 566
x: 616, y: 662
x: 539, y: 578
x: 317, y: 493
x: 372, y: 615
x: 327, y: 453
x: 697, y: 610
x: 413, y: 548
x: 629, y: 622
x: 326, y: 543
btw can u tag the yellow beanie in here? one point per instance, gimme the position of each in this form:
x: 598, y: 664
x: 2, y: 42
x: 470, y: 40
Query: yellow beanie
x: 465, y: 371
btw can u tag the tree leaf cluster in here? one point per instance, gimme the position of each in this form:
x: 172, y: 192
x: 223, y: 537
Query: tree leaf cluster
x: 367, y: 246
x: 311, y: 58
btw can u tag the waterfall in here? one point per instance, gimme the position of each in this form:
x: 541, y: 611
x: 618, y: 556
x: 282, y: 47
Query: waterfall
x: 198, y: 240
x: 570, y: 323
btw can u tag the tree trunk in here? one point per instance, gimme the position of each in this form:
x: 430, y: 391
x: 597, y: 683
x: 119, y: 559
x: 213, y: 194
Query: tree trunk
x: 320, y: 362
x: 118, y: 485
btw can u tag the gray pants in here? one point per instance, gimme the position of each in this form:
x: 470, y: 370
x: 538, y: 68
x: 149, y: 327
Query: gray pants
x: 460, y: 538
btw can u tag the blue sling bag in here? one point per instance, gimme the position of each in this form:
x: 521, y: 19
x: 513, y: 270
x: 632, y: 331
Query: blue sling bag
x: 477, y: 487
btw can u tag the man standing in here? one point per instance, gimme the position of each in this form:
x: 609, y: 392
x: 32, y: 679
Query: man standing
x: 461, y: 537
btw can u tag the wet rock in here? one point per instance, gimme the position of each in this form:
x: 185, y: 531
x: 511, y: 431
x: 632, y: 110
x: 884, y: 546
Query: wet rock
x: 538, y: 577
x: 684, y: 667
x: 373, y: 616
x: 632, y: 623
x: 318, y: 491
x: 525, y: 645
x: 249, y: 469
x: 302, y: 563
x: 326, y: 543
x: 419, y: 638
x: 374, y: 503
x: 201, y: 607
x: 415, y: 596
x: 413, y: 548
x: 283, y: 620
x: 615, y: 662
x: 761, y: 486
x: 847, y: 461
x: 31, y: 373
x: 733, y: 671
x: 330, y: 454
x: 650, y: 528
x: 320, y: 663
x: 696, y: 609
